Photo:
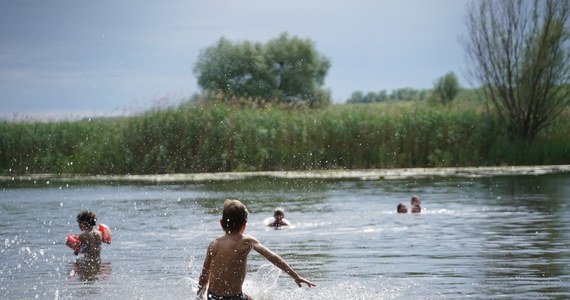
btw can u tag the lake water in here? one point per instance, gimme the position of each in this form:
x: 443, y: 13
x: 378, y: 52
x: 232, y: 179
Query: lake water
x: 499, y: 237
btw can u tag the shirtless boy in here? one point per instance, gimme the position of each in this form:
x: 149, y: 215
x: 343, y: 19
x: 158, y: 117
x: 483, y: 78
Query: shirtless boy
x: 225, y: 265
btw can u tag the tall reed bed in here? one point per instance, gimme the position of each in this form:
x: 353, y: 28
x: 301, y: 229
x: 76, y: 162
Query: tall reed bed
x: 63, y: 147
x: 224, y: 137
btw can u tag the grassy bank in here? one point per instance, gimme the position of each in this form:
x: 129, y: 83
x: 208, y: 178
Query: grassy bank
x: 221, y: 137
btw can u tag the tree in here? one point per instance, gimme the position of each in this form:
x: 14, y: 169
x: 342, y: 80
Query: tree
x: 356, y: 97
x: 446, y: 88
x: 520, y: 57
x: 299, y: 70
x: 286, y: 68
x: 234, y: 70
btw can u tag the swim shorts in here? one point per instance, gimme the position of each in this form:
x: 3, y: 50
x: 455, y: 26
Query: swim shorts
x: 240, y: 296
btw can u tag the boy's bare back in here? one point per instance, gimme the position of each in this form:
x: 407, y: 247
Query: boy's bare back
x: 225, y: 265
x: 228, y: 266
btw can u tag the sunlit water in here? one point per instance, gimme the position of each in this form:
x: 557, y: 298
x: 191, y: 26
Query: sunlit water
x: 497, y: 237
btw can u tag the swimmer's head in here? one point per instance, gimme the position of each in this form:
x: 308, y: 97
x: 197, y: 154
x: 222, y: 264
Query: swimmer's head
x: 402, y: 208
x: 87, y: 219
x: 279, y: 213
x: 234, y: 215
x: 416, y: 200
x: 416, y: 209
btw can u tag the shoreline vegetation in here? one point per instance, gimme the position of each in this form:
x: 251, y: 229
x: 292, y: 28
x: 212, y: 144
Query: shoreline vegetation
x: 243, y: 137
x: 364, y: 175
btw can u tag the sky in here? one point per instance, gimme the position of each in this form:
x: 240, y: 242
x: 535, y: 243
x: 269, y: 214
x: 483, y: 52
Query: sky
x: 70, y: 59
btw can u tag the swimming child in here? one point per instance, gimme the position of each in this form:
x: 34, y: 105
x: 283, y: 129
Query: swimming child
x: 90, y: 237
x: 225, y: 264
x: 416, y: 202
x: 402, y: 208
x: 278, y: 219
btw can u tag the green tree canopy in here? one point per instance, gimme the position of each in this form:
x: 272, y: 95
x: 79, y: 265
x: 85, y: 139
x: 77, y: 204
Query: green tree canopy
x: 286, y: 68
x: 446, y: 88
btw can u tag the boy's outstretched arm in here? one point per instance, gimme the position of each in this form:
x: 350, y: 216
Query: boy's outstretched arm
x: 278, y: 261
x: 205, y: 276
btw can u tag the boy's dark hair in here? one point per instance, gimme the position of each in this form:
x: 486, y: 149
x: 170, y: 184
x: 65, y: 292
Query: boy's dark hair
x: 279, y: 211
x: 87, y: 217
x: 234, y: 215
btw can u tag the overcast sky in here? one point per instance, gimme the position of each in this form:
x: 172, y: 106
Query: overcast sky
x: 74, y: 58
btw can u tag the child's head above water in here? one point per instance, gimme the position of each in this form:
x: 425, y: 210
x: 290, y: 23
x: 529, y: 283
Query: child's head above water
x: 234, y: 215
x: 415, y: 200
x: 402, y: 208
x: 279, y: 213
x: 87, y: 219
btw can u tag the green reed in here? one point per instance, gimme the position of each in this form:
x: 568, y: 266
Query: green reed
x: 224, y: 137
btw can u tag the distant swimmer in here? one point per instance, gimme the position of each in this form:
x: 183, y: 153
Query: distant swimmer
x: 278, y: 219
x: 225, y: 265
x: 402, y: 208
x: 416, y: 204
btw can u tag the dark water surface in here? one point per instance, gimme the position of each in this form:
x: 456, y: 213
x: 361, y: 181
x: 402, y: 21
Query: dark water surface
x: 482, y: 238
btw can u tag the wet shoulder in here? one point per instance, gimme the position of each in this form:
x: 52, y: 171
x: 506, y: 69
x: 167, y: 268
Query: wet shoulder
x: 250, y: 241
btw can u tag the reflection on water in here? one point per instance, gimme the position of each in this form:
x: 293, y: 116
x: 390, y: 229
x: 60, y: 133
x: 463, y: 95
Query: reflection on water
x: 87, y: 278
x: 526, y: 243
x: 496, y: 237
x: 89, y: 270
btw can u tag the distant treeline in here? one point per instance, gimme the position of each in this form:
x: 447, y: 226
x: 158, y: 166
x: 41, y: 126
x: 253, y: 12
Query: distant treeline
x: 405, y: 94
x: 231, y: 137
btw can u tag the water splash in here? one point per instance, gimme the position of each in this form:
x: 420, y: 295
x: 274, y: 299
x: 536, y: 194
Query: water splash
x: 262, y: 283
x: 342, y: 290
